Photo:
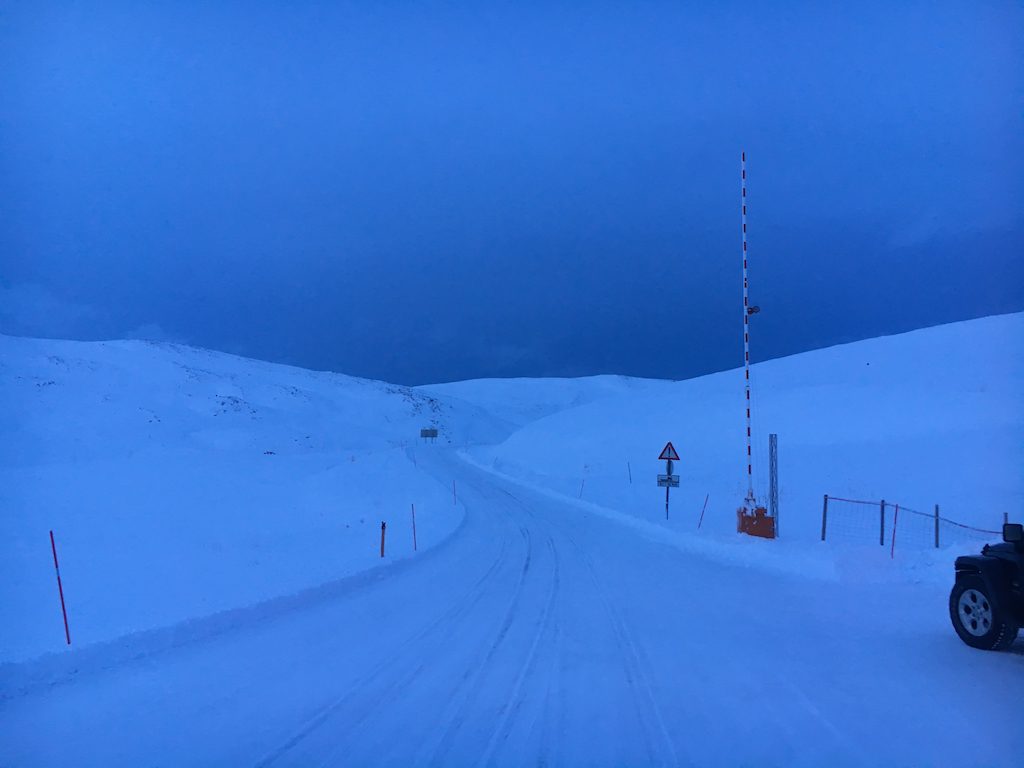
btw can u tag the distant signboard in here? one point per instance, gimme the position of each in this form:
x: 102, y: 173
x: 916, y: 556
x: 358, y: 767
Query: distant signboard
x: 430, y: 432
x: 668, y: 481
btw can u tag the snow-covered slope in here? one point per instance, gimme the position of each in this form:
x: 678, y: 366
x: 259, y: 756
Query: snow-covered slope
x: 929, y: 417
x: 180, y: 482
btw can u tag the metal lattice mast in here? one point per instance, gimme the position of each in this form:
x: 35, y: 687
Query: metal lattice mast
x: 746, y: 324
x: 773, y: 479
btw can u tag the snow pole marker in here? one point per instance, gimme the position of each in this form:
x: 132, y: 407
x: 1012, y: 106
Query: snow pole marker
x: 629, y: 469
x: 413, y: 527
x: 455, y: 498
x: 383, y: 527
x: 60, y: 589
x: 701, y: 521
x: 892, y: 549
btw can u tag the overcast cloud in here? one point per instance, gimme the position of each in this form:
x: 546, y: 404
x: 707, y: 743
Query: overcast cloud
x: 426, y: 192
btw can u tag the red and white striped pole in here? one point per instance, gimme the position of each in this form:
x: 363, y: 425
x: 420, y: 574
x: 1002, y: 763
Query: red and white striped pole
x: 746, y: 324
x: 60, y: 588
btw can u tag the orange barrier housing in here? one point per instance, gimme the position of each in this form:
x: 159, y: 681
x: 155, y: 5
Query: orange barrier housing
x: 756, y: 523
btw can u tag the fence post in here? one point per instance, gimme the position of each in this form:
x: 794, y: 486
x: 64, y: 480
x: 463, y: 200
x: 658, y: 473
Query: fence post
x: 824, y: 517
x: 936, y: 526
x: 881, y: 533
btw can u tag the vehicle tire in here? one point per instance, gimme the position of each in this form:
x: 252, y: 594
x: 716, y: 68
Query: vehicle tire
x: 979, y: 621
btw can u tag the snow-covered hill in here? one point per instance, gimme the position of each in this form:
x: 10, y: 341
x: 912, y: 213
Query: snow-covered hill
x: 218, y: 525
x: 180, y: 482
x: 929, y: 417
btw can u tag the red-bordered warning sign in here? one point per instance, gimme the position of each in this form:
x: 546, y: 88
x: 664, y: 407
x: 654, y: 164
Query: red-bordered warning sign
x: 668, y: 453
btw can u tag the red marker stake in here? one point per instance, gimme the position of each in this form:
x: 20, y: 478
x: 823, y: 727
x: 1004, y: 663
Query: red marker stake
x: 60, y: 588
x: 413, y: 527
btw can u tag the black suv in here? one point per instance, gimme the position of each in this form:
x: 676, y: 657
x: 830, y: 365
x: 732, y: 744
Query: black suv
x: 987, y: 601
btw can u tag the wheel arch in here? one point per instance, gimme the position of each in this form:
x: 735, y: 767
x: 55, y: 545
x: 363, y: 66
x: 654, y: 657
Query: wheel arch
x: 994, y: 573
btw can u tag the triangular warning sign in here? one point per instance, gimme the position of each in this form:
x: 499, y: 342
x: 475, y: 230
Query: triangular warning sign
x: 668, y: 453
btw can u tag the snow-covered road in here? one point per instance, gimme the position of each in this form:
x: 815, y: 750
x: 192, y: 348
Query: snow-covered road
x: 539, y: 634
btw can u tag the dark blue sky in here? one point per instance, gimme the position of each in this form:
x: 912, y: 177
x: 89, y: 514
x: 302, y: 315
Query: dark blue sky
x: 433, y: 191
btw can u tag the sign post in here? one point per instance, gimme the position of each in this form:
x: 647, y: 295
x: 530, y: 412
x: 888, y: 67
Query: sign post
x: 668, y: 480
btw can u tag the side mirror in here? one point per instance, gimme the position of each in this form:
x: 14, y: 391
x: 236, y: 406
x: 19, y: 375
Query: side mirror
x: 1013, y: 533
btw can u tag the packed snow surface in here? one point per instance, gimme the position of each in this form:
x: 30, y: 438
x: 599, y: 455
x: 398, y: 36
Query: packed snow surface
x: 218, y: 526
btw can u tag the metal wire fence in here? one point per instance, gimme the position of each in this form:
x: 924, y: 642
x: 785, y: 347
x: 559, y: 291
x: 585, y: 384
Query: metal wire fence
x: 897, y: 526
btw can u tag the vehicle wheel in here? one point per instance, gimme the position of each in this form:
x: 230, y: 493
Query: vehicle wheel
x: 977, y: 619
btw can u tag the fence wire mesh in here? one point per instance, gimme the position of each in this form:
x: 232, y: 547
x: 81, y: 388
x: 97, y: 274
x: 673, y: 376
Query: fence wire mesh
x: 897, y: 526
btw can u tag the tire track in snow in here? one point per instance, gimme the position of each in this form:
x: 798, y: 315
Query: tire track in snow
x: 636, y: 660
x: 459, y: 609
x: 402, y: 682
x: 548, y: 752
x: 505, y: 722
x: 636, y: 664
x: 471, y: 681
